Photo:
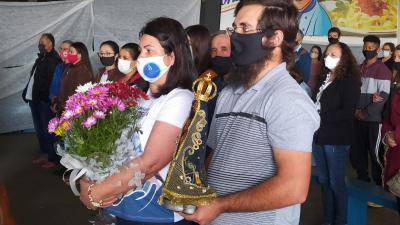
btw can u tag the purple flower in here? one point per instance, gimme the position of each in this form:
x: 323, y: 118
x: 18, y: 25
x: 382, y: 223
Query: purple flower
x: 53, y: 124
x: 89, y: 122
x: 99, y: 115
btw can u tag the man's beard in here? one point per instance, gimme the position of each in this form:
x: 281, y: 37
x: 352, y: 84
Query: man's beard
x: 244, y: 76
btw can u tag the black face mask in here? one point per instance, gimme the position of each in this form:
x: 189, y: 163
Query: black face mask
x: 221, y: 65
x: 247, y: 48
x: 42, y: 49
x: 370, y: 54
x: 107, y: 61
x: 333, y: 40
x: 396, y: 66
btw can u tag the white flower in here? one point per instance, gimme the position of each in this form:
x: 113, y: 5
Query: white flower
x: 84, y: 88
x: 105, y: 82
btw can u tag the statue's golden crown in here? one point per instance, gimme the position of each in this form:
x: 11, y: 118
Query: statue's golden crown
x: 203, y: 88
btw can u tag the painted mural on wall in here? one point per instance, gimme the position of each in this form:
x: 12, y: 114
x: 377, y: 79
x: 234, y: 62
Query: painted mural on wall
x: 353, y: 17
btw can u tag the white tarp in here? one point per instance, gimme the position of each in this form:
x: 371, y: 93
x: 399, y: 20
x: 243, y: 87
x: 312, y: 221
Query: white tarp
x: 88, y: 21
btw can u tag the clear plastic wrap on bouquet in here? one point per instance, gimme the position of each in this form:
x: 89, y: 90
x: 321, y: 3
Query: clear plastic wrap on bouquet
x: 126, y: 148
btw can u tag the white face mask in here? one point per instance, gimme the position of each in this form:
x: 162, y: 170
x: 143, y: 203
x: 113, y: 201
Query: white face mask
x: 124, y: 66
x: 331, y: 62
x: 151, y: 68
x: 386, y: 53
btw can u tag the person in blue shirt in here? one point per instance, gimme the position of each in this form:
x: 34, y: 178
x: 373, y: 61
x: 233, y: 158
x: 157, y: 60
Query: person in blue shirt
x: 55, y: 83
x: 303, y: 58
x: 313, y: 19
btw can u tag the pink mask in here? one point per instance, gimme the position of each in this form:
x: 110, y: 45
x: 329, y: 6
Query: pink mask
x: 63, y: 55
x: 72, y: 58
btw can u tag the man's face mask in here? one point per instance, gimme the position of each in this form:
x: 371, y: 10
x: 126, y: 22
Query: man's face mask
x: 369, y: 54
x: 247, y: 48
x: 221, y: 65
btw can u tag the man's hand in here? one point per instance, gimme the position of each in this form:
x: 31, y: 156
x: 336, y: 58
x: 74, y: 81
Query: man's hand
x: 205, y: 214
x: 376, y: 97
x: 360, y: 114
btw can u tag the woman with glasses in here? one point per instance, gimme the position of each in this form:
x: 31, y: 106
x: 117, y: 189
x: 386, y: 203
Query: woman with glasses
x: 108, y: 55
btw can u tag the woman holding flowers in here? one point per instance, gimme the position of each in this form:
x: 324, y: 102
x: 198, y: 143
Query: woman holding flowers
x: 165, y: 62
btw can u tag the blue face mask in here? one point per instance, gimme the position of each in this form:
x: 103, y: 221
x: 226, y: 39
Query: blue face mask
x: 152, y: 68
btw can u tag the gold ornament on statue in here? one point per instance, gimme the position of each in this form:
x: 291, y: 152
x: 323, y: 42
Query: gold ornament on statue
x: 185, y: 186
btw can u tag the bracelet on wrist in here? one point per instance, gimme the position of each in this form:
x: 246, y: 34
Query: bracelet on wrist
x: 94, y: 203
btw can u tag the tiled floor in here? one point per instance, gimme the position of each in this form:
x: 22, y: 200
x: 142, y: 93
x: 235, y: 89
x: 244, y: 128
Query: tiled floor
x: 38, y: 197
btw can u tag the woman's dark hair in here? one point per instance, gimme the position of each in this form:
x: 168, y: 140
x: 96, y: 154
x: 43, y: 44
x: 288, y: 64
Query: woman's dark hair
x: 347, y: 65
x: 200, y: 41
x: 278, y: 15
x: 81, y: 49
x: 391, y: 46
x: 133, y: 50
x: 114, y: 46
x: 173, y: 39
x: 319, y: 51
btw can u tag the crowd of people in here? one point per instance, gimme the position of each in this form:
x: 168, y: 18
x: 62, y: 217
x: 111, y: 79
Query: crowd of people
x: 279, y: 108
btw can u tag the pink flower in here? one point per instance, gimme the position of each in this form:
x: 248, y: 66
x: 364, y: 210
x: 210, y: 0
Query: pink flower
x: 89, y: 122
x: 119, y: 104
x: 78, y: 111
x: 67, y: 114
x: 99, y: 115
x: 53, y: 124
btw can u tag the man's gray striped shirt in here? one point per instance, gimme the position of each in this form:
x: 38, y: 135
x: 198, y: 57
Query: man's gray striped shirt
x: 247, y: 126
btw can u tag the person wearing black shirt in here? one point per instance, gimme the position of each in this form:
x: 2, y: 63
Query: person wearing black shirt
x: 336, y: 102
x: 36, y: 94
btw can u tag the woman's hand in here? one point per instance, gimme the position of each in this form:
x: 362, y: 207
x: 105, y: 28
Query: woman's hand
x: 84, y: 197
x: 391, y: 139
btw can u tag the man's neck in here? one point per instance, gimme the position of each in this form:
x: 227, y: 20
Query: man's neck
x: 371, y: 61
x: 269, y: 65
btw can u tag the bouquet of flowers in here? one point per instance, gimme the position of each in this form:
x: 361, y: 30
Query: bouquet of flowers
x: 99, y: 129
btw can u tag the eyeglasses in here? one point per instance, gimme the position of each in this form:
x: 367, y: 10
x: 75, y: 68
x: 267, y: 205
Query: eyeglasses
x: 242, y: 30
x: 105, y: 54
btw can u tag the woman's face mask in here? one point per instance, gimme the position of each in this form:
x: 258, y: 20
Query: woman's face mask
x: 331, y: 62
x: 152, y: 68
x: 125, y: 66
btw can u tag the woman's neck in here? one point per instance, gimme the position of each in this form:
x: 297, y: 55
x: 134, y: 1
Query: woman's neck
x: 128, y: 76
x: 153, y: 88
x: 384, y: 59
x: 108, y: 68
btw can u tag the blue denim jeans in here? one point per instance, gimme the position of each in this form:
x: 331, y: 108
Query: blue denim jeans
x: 331, y: 161
x: 41, y: 115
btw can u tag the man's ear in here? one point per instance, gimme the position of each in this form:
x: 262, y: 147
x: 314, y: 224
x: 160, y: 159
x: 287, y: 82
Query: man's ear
x: 275, y: 40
